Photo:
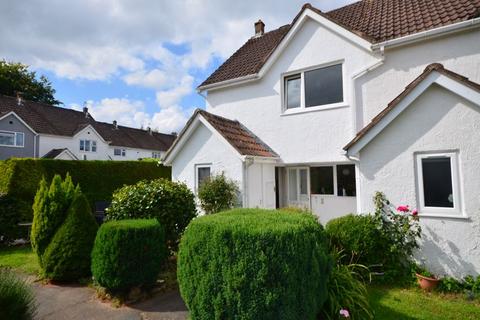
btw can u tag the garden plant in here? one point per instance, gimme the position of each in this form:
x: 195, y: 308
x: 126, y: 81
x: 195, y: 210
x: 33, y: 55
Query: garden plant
x: 218, y: 193
x: 16, y: 297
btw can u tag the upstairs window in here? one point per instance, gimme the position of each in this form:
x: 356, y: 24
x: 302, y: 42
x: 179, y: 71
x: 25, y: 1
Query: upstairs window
x: 318, y: 87
x: 88, y: 145
x: 12, y: 139
x: 438, y: 183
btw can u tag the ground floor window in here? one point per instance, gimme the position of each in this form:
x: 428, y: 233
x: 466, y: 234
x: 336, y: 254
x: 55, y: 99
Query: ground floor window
x: 338, y: 180
x: 119, y: 152
x: 203, y: 173
x: 11, y: 139
x: 438, y: 184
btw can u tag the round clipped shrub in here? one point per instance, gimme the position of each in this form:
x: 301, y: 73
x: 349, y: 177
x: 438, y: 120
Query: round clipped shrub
x: 171, y: 203
x: 253, y: 264
x: 358, y: 237
x: 17, y: 300
x: 67, y: 256
x: 128, y: 253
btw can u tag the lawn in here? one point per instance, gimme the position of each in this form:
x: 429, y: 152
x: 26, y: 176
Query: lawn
x: 399, y: 303
x: 19, y: 258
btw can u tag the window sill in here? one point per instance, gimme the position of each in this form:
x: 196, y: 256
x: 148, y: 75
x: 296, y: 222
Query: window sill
x: 457, y: 216
x: 314, y: 109
x: 9, y: 146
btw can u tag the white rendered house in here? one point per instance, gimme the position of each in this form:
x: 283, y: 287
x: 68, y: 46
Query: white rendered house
x: 36, y: 130
x: 380, y: 95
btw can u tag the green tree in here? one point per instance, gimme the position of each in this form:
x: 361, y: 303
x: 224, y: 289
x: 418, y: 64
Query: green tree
x: 15, y: 77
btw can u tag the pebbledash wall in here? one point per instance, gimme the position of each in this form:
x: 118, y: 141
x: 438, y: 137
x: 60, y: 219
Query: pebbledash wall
x: 437, y: 121
x: 104, y: 150
x: 449, y: 246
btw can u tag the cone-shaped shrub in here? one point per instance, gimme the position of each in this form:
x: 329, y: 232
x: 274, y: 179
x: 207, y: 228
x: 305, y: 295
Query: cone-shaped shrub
x: 67, y: 257
x: 253, y: 264
x: 49, y: 211
x: 128, y: 253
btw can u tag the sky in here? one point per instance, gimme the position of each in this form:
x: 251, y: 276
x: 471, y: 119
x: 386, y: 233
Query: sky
x: 135, y: 61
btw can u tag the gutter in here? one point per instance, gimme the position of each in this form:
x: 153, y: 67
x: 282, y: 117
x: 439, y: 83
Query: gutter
x: 428, y: 34
x: 230, y: 82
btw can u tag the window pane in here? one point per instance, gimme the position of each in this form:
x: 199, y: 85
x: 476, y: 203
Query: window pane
x: 94, y: 146
x: 323, y: 86
x: 7, y: 138
x: 82, y: 145
x: 292, y: 90
x: 303, y: 181
x: 346, y: 180
x: 19, y: 139
x: 203, y: 175
x: 437, y: 182
x: 292, y: 184
x: 124, y: 152
x: 321, y: 180
x: 87, y: 145
x: 116, y: 152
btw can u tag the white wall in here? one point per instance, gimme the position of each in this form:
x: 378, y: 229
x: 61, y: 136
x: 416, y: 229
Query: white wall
x: 104, y: 151
x: 459, y: 52
x: 204, y: 147
x: 308, y: 137
x: 437, y: 121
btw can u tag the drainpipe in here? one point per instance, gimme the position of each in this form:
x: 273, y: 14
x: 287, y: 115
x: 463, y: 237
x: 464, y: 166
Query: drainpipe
x: 247, y: 162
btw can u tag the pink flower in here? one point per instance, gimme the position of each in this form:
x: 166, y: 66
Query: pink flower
x: 403, y: 209
x: 415, y: 212
x: 344, y: 313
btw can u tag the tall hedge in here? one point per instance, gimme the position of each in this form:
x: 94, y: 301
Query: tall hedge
x: 20, y: 178
x: 128, y: 253
x: 253, y: 264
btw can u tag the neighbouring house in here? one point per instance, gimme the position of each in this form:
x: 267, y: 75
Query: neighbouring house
x: 36, y: 130
x: 379, y: 95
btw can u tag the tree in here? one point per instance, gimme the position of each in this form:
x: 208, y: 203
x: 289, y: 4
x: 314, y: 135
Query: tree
x: 15, y: 77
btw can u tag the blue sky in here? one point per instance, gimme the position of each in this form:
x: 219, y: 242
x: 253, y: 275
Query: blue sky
x: 137, y: 62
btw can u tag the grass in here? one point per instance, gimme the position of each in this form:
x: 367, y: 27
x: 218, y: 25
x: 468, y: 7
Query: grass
x: 412, y: 303
x: 20, y: 258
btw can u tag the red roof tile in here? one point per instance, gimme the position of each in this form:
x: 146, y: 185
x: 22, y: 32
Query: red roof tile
x: 373, y: 20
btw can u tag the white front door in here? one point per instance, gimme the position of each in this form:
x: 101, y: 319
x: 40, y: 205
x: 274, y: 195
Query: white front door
x: 298, y: 187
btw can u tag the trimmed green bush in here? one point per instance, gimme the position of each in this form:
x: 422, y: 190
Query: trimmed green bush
x: 20, y: 179
x: 128, y: 253
x: 16, y: 298
x: 171, y: 203
x: 218, y: 193
x: 63, y: 230
x: 67, y: 257
x: 253, y: 264
x: 358, y: 237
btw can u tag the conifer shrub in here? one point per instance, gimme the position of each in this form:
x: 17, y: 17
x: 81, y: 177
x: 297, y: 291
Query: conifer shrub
x: 171, y: 203
x: 253, y: 264
x: 63, y: 230
x: 128, y: 253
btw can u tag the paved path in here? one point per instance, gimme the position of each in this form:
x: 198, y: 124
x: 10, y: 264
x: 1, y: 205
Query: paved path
x: 78, y: 303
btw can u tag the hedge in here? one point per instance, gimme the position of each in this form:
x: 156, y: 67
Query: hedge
x: 128, y: 253
x: 98, y: 180
x: 253, y: 264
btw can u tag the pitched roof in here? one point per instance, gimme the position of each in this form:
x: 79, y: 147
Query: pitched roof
x: 52, y: 154
x: 374, y: 20
x: 237, y: 135
x: 47, y: 119
x: 428, y: 70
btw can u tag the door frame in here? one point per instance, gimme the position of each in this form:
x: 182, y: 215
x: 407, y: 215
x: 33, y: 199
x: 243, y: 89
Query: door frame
x: 298, y: 203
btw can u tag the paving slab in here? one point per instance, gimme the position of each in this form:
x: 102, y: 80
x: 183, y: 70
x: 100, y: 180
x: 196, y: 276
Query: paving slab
x: 74, y: 302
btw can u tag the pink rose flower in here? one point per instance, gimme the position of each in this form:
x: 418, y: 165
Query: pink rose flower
x: 344, y: 313
x: 415, y: 212
x: 403, y: 208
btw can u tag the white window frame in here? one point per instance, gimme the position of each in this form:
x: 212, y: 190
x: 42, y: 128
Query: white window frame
x: 303, y: 108
x: 335, y: 180
x: 91, y: 144
x: 456, y: 211
x: 156, y: 155
x: 15, y: 133
x: 123, y: 152
x: 198, y: 166
x: 297, y: 173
